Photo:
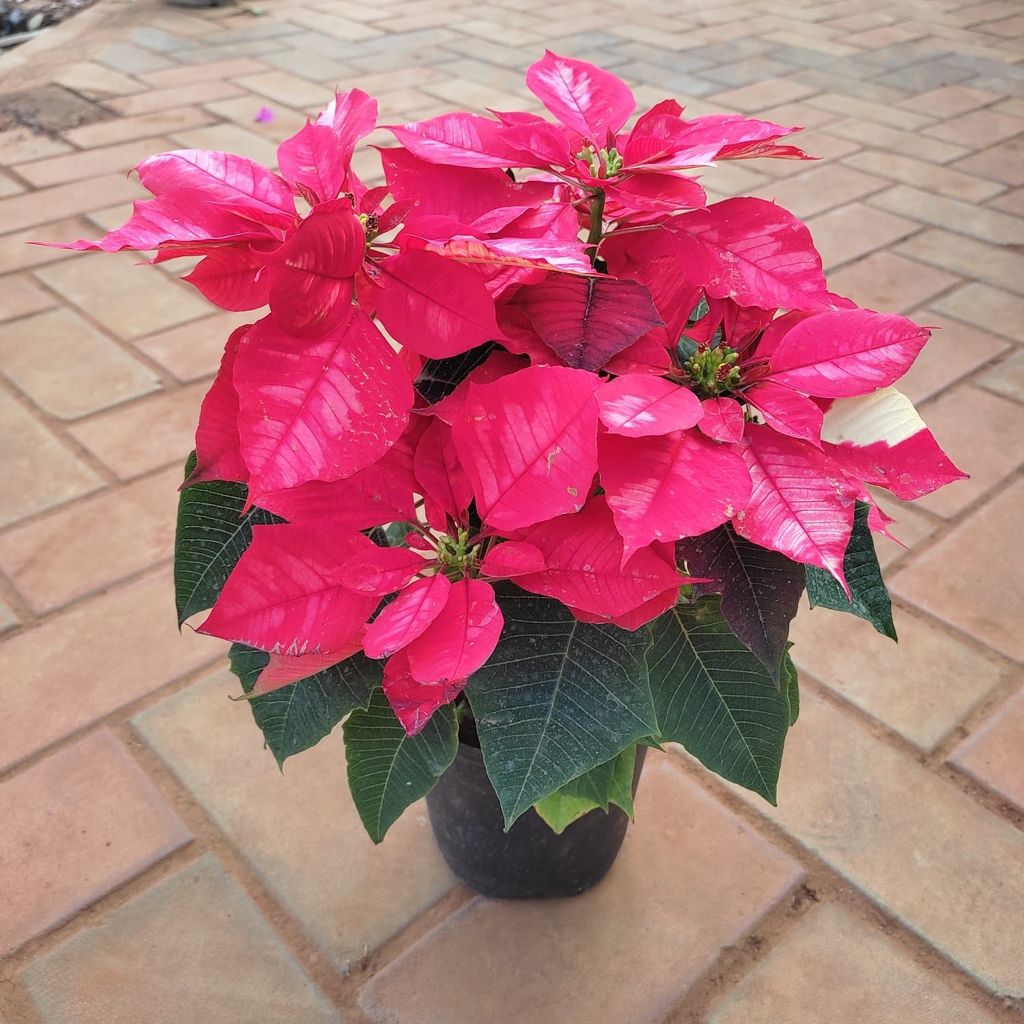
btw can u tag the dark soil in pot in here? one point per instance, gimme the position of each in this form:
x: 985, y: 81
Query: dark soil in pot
x: 529, y: 861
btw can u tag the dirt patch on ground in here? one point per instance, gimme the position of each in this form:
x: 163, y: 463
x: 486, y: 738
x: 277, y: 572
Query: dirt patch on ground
x: 49, y: 109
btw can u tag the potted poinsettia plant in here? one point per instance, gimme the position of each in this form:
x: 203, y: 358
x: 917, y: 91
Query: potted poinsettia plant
x: 529, y: 459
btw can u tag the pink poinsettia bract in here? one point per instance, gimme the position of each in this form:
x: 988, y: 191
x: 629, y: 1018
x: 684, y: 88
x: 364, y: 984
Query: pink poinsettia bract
x: 538, y: 348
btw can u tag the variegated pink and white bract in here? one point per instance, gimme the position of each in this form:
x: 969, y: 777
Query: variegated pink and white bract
x: 537, y: 345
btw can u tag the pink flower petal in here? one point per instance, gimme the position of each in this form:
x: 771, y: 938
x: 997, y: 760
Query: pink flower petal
x: 287, y: 594
x: 231, y: 278
x: 282, y: 670
x: 752, y: 251
x: 381, y: 493
x: 581, y: 96
x: 676, y: 485
x: 787, y: 411
x: 585, y: 570
x: 311, y: 274
x: 435, y: 306
x: 414, y: 702
x: 440, y: 474
x: 218, y: 447
x: 460, y: 140
x: 312, y: 160
x: 318, y: 410
x: 512, y: 558
x: 846, y: 352
x: 381, y: 571
x: 529, y: 444
x: 588, y: 320
x: 640, y: 405
x: 406, y: 618
x: 461, y: 638
x: 723, y: 420
x: 880, y: 439
x: 228, y: 180
x: 800, y: 505
x: 183, y: 218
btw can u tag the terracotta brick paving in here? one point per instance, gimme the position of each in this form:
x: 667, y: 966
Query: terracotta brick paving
x: 154, y: 865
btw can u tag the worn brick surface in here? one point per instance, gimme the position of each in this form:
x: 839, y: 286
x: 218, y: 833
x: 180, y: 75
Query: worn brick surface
x: 96, y: 284
x: 944, y: 212
x: 193, y: 350
x: 887, y: 282
x: 943, y: 865
x: 832, y: 959
x: 847, y: 232
x: 915, y: 109
x: 1007, y: 378
x: 986, y: 307
x: 349, y: 894
x: 821, y: 189
x: 20, y: 144
x: 691, y: 878
x: 69, y: 368
x: 973, y: 427
x: 908, y: 143
x: 147, y: 434
x: 20, y: 295
x: 71, y: 670
x: 93, y: 543
x: 922, y: 687
x: 991, y: 263
x: 954, y: 350
x: 17, y: 254
x: 994, y: 753
x: 971, y: 577
x: 193, y: 948
x: 47, y: 204
x: 75, y: 166
x: 40, y: 471
x: 76, y: 825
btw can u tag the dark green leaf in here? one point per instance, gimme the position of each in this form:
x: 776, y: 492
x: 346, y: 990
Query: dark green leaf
x: 686, y: 348
x: 864, y: 577
x: 557, y: 698
x: 713, y: 696
x: 388, y: 770
x: 391, y: 535
x: 210, y: 538
x: 760, y: 589
x: 607, y: 784
x: 791, y: 684
x: 299, y: 715
x: 440, y: 377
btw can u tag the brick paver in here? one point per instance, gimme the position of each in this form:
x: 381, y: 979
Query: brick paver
x: 922, y: 687
x: 828, y: 960
x: 76, y: 826
x: 652, y: 920
x: 902, y: 793
x: 349, y: 895
x: 928, y: 854
x: 192, y: 948
x: 992, y: 753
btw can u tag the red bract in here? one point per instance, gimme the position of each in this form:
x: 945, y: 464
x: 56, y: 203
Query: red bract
x: 534, y: 355
x: 679, y: 484
x: 529, y: 444
x: 586, y: 568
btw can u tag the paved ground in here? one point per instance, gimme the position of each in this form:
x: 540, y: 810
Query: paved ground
x: 155, y: 867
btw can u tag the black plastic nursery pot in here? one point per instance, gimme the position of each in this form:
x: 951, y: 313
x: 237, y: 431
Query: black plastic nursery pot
x: 529, y: 861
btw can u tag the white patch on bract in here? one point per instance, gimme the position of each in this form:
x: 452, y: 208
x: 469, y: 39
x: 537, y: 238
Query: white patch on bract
x: 884, y: 415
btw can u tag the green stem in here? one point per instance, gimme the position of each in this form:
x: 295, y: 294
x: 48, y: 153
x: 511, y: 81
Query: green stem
x: 596, y: 223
